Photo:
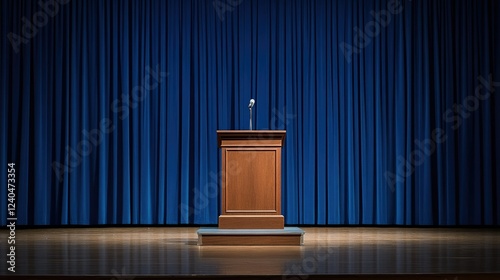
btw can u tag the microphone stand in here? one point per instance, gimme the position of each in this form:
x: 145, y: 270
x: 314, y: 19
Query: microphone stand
x: 250, y: 108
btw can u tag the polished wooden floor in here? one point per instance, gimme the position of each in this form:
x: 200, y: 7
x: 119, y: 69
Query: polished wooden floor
x: 347, y: 253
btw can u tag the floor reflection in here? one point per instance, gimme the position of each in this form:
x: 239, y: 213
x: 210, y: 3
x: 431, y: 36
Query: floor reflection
x: 250, y: 260
x: 173, y: 251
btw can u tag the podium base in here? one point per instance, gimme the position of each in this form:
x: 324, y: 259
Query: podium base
x: 288, y: 236
x: 251, y: 222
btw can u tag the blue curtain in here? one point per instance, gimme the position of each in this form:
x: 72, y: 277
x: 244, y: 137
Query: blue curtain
x: 109, y: 109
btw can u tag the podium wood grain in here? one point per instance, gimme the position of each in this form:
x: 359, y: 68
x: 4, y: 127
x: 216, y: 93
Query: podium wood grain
x: 251, y: 181
x: 255, y: 187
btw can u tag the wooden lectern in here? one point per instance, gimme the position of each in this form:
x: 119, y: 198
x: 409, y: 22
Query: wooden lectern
x: 251, y: 191
x: 251, y: 181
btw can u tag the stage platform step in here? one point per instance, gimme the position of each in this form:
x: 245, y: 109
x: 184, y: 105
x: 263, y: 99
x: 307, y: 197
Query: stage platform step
x: 277, y: 237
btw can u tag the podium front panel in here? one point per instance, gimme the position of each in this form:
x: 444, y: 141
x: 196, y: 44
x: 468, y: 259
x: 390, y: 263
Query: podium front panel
x: 252, y: 181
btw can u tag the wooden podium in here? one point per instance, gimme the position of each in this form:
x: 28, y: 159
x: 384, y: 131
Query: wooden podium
x: 251, y: 181
x: 251, y: 191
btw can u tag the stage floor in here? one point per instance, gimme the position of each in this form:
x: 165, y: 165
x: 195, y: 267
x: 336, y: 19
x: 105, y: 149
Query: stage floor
x: 125, y: 252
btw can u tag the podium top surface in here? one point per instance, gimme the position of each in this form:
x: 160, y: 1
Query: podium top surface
x: 254, y: 135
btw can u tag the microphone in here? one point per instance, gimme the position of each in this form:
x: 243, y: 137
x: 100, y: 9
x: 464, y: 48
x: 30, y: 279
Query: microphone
x: 252, y: 102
